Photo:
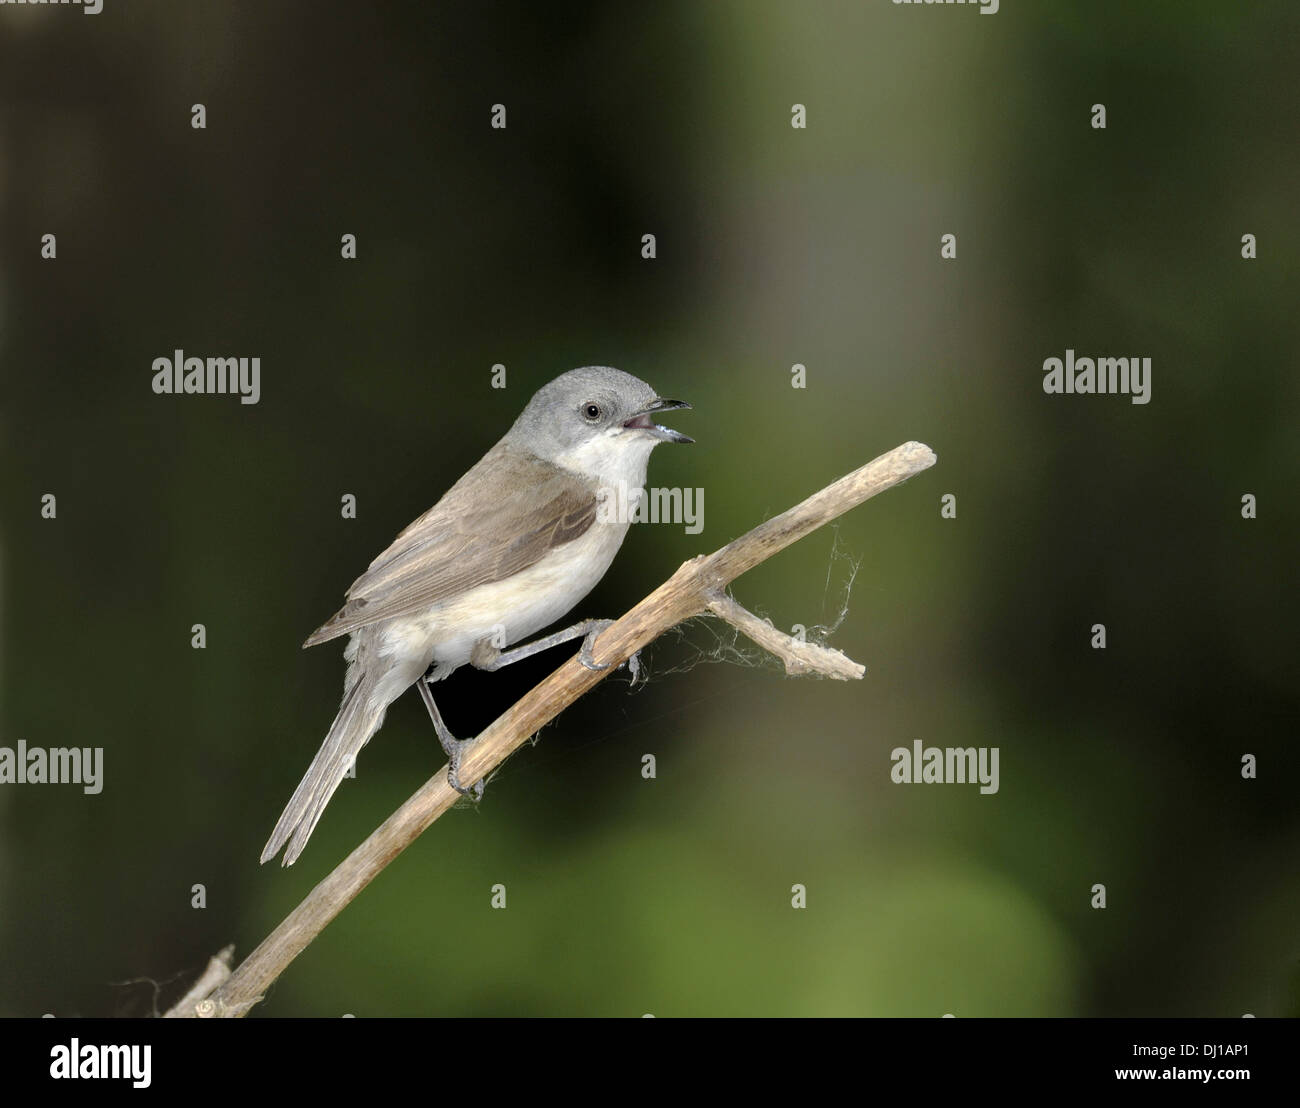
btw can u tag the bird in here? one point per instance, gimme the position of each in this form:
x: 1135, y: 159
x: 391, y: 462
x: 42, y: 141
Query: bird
x: 508, y: 550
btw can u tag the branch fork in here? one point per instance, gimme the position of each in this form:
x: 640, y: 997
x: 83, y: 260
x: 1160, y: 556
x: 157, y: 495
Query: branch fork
x: 801, y: 658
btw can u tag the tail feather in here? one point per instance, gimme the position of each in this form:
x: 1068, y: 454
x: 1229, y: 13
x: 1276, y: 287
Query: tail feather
x: 359, y: 718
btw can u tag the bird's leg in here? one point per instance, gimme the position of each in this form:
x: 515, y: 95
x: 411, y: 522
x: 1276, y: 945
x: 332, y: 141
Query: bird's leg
x: 486, y: 656
x: 454, y: 747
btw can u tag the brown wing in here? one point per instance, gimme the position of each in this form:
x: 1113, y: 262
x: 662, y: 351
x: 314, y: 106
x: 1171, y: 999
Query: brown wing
x: 504, y: 515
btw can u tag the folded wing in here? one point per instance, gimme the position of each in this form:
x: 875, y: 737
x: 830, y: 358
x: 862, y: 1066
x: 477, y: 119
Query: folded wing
x: 471, y: 537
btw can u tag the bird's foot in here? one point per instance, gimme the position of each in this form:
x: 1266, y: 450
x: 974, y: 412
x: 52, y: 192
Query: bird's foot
x: 584, y: 655
x: 455, y: 750
x: 453, y: 747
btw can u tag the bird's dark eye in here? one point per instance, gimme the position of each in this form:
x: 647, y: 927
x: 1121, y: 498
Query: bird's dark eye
x: 591, y: 411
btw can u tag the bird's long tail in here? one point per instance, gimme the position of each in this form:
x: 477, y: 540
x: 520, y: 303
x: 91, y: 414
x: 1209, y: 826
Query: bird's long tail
x: 360, y: 716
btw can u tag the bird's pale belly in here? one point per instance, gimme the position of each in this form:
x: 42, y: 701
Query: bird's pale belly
x: 505, y: 611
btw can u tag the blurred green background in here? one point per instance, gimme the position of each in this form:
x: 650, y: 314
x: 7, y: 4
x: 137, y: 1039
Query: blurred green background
x: 776, y: 246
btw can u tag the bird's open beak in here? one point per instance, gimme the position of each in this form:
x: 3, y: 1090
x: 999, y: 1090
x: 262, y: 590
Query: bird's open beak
x: 642, y: 421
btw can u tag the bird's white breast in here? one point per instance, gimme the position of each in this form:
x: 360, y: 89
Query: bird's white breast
x: 507, y: 611
x: 514, y: 609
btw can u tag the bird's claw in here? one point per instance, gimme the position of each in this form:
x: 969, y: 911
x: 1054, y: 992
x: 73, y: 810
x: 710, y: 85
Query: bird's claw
x: 633, y: 663
x: 454, y: 755
x: 584, y: 655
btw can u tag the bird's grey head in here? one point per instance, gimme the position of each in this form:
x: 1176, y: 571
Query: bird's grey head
x: 596, y: 421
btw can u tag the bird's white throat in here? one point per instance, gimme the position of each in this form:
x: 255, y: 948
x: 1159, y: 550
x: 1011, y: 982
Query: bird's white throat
x: 616, y: 457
